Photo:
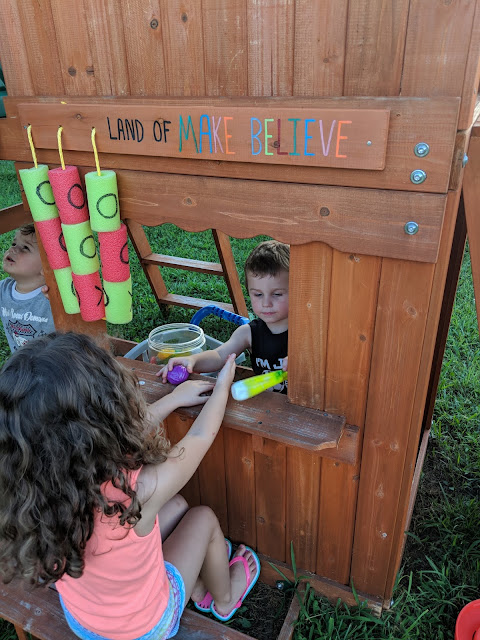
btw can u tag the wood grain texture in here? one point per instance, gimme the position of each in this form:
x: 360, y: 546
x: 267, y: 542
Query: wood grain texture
x: 319, y: 50
x: 74, y: 50
x: 436, y: 47
x: 360, y: 221
x: 440, y: 288
x: 270, y: 483
x: 402, y: 308
x: 471, y: 194
x: 225, y: 47
x: 107, y: 43
x: 240, y: 480
x: 13, y: 54
x: 412, y: 120
x: 41, y: 47
x: 309, y: 299
x: 270, y: 44
x: 375, y: 26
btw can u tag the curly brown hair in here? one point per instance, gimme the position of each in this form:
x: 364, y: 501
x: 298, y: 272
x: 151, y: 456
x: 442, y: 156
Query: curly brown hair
x: 71, y: 418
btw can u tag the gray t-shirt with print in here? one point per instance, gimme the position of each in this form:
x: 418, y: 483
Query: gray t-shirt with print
x: 25, y: 316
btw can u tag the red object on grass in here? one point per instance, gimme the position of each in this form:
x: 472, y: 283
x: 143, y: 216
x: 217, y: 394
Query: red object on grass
x: 468, y: 622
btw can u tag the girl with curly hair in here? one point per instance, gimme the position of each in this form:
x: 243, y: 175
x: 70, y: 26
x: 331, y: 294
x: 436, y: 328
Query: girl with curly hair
x: 90, y: 500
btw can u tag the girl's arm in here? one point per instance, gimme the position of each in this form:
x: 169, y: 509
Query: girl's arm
x: 187, y: 394
x: 214, y: 359
x: 158, y: 483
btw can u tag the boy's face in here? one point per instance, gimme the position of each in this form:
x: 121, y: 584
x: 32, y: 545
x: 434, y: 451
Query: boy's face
x: 269, y: 297
x: 22, y: 259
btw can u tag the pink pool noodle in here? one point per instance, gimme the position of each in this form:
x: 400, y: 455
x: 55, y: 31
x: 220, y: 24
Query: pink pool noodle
x: 69, y: 195
x: 114, y: 254
x: 177, y: 375
x: 90, y: 296
x: 51, y: 234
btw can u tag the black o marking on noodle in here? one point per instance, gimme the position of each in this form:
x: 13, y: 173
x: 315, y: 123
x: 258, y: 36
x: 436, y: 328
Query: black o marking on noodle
x: 122, y: 259
x: 82, y: 251
x: 107, y: 195
x: 40, y: 197
x: 69, y: 196
x: 101, y: 294
x: 61, y: 242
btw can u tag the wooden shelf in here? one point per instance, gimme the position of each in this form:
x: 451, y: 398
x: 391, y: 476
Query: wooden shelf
x: 269, y: 416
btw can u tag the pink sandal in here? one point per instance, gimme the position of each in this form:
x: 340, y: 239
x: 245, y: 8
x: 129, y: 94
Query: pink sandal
x: 204, y: 605
x: 250, y: 584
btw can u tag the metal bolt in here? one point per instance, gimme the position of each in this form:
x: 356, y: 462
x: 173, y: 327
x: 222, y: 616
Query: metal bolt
x: 411, y: 228
x: 384, y: 535
x: 324, y: 211
x: 418, y: 176
x: 465, y: 160
x: 281, y: 585
x: 369, y: 143
x: 154, y: 23
x: 421, y: 149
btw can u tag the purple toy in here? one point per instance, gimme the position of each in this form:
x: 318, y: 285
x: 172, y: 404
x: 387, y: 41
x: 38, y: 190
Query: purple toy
x: 177, y: 375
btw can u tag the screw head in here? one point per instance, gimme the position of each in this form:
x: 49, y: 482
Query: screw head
x: 418, y: 176
x: 421, y: 149
x: 411, y: 228
x: 281, y: 585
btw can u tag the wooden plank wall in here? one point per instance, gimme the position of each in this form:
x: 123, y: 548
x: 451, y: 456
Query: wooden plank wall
x: 362, y: 328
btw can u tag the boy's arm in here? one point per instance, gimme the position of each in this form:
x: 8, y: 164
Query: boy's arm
x: 162, y: 481
x: 214, y: 359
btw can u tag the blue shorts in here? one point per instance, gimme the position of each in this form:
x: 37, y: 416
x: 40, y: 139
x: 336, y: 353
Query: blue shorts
x: 166, y: 627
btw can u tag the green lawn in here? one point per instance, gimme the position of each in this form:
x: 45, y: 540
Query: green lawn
x: 441, y: 566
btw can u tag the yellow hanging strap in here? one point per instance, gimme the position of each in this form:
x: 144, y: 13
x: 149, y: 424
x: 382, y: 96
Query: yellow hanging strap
x: 60, y: 150
x: 32, y: 148
x: 95, y: 152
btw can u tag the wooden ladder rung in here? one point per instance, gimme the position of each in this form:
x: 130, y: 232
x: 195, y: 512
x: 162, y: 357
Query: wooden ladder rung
x: 193, y: 303
x: 200, y: 266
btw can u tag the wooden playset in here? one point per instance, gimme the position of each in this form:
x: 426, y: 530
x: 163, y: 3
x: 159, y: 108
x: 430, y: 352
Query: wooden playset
x: 340, y: 127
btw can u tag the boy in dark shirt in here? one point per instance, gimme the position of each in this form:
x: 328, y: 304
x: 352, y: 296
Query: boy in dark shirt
x: 266, y: 337
x: 24, y: 309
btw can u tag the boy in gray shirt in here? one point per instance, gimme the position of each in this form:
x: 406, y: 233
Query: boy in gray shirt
x: 24, y: 309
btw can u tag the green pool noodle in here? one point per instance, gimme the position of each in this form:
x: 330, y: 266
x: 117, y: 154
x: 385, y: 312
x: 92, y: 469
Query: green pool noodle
x: 81, y: 248
x: 38, y: 192
x: 66, y: 289
x: 118, y: 301
x: 103, y: 205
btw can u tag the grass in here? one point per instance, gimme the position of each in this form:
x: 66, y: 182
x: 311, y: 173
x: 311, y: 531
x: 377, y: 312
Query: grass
x: 441, y: 566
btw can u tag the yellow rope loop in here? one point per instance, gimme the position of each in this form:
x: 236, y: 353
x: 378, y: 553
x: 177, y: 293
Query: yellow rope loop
x: 60, y: 150
x: 32, y: 148
x: 95, y: 152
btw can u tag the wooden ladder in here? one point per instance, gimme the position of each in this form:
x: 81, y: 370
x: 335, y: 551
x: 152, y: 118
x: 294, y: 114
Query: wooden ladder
x: 226, y: 268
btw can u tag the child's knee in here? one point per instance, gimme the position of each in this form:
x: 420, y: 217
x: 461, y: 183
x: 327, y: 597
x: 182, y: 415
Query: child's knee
x: 205, y: 515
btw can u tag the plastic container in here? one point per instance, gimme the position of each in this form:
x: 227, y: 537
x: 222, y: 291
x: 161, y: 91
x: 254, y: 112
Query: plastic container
x: 176, y: 339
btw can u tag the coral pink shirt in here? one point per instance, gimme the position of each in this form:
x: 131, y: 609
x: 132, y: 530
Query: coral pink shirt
x: 124, y: 589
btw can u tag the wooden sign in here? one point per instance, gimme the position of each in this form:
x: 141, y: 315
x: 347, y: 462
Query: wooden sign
x: 303, y: 136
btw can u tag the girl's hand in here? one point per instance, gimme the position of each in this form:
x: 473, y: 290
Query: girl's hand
x: 189, y: 393
x: 185, y: 361
x: 285, y: 364
x: 225, y: 377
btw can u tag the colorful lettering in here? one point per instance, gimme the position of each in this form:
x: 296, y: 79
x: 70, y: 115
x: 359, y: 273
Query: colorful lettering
x: 208, y: 132
x: 215, y: 133
x: 339, y: 137
x: 267, y: 136
x: 227, y: 136
x: 307, y: 137
x: 320, y: 122
x: 294, y: 120
x: 256, y: 135
x: 186, y: 133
